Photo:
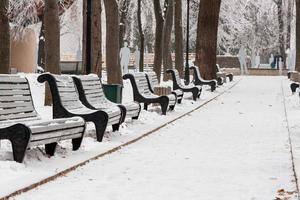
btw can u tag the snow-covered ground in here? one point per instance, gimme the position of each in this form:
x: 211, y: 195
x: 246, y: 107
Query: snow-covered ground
x: 235, y: 147
x: 37, y: 166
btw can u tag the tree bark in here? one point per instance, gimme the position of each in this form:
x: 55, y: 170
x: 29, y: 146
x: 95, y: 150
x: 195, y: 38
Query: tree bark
x: 168, y: 25
x: 4, y: 38
x: 123, y: 18
x: 207, y: 35
x: 158, y: 38
x: 41, y: 48
x: 281, y: 30
x: 112, y: 42
x: 178, y: 37
x: 297, y: 68
x: 96, y: 43
x: 52, y: 42
x: 142, y: 37
x: 84, y: 28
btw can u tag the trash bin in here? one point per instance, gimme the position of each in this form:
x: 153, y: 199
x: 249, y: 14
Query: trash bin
x: 113, y: 92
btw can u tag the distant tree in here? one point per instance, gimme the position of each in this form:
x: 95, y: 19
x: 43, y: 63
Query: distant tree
x: 124, y: 6
x: 52, y: 42
x: 112, y: 42
x: 96, y: 38
x: 167, y: 31
x: 158, y: 38
x: 297, y: 35
x: 207, y: 37
x: 142, y: 36
x: 4, y: 38
x: 178, y: 37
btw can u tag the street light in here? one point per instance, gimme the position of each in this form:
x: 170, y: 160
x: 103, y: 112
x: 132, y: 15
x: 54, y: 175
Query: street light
x: 187, y: 70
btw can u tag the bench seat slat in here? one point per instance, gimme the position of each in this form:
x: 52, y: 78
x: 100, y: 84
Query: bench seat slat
x: 13, y: 86
x: 16, y: 110
x: 56, y: 134
x: 15, y: 104
x: 51, y: 140
x: 18, y: 116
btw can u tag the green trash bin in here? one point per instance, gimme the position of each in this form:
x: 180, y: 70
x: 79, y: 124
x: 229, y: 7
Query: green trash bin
x: 113, y: 92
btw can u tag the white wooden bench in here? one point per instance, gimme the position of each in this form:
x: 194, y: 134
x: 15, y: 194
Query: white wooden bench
x: 66, y: 103
x: 153, y: 82
x: 142, y: 94
x: 91, y: 95
x: 21, y: 124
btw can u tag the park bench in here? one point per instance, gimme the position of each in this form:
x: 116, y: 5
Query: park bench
x: 92, y: 96
x: 195, y: 90
x: 295, y: 78
x: 153, y: 82
x: 223, y: 75
x: 24, y: 128
x: 142, y: 94
x: 66, y: 103
x: 198, y: 80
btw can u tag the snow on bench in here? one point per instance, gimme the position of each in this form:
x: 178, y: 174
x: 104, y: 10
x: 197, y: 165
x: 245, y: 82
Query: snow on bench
x: 66, y: 103
x: 195, y: 90
x: 142, y: 93
x: 153, y: 82
x: 92, y: 96
x: 198, y: 80
x: 21, y: 124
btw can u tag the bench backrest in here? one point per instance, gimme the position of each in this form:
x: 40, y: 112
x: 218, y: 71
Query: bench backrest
x: 68, y: 92
x: 15, y: 99
x: 93, y: 89
x: 152, y: 79
x: 177, y: 77
x: 141, y: 83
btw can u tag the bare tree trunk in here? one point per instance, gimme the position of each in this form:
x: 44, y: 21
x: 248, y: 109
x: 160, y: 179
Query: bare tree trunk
x: 4, y: 38
x: 84, y: 28
x: 297, y: 68
x: 281, y: 30
x: 207, y: 34
x: 158, y: 38
x: 142, y: 37
x: 41, y: 49
x: 178, y: 37
x: 289, y: 21
x: 96, y: 43
x: 52, y: 42
x: 123, y: 15
x: 112, y: 42
x: 168, y: 25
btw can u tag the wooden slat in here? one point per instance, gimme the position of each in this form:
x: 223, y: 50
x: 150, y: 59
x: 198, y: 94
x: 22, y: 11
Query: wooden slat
x: 88, y: 78
x: 17, y: 116
x: 91, y: 87
x: 89, y: 83
x: 16, y: 110
x: 98, y: 91
x: 14, y: 92
x: 15, y: 98
x: 15, y: 104
x: 43, y: 128
x: 55, y: 134
x: 13, y: 79
x: 51, y: 140
x: 13, y: 86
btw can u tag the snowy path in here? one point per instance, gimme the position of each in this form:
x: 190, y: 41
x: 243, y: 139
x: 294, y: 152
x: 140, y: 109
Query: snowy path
x: 236, y: 147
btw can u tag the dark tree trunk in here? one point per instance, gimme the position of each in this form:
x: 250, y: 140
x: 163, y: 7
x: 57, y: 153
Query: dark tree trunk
x: 158, y: 38
x: 41, y: 49
x: 112, y: 42
x: 207, y: 34
x: 178, y: 37
x: 123, y: 15
x: 142, y: 37
x: 52, y: 42
x: 168, y: 25
x: 297, y: 68
x: 289, y: 21
x: 84, y: 28
x: 96, y: 39
x: 4, y: 38
x: 281, y: 30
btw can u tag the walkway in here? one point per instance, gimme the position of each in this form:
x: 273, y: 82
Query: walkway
x: 236, y: 147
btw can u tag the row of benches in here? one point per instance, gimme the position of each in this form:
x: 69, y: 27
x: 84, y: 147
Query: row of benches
x: 76, y: 100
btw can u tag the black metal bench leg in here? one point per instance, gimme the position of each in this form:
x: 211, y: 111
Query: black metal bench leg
x: 145, y: 106
x: 179, y: 101
x: 196, y: 94
x: 164, y: 102
x: 100, y: 130
x: 294, y: 87
x: 220, y: 81
x: 213, y: 86
x: 115, y: 127
x: 50, y: 148
x: 76, y: 143
x: 19, y: 136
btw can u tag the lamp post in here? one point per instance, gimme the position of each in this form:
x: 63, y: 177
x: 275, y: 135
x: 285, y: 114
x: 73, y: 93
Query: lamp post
x: 187, y: 70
